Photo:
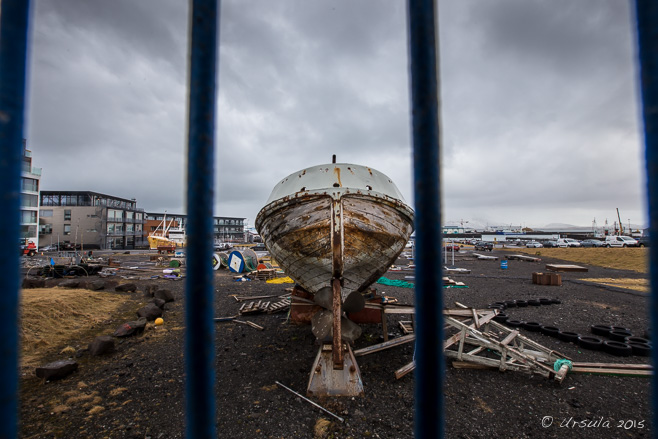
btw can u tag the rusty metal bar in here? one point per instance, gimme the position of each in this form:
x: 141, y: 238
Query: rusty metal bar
x: 337, y: 345
x: 646, y: 12
x: 430, y: 372
x: 337, y: 277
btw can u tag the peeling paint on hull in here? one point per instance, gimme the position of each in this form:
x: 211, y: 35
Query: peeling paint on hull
x: 373, y: 226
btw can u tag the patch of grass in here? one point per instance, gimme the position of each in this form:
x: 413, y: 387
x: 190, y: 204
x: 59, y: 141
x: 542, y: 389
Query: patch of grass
x: 634, y: 259
x: 52, y: 317
x: 630, y: 284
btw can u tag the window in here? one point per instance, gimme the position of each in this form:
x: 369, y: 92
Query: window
x: 28, y: 200
x: 67, y: 215
x: 30, y: 184
x: 67, y: 229
x: 46, y: 229
x: 28, y: 216
x: 46, y: 213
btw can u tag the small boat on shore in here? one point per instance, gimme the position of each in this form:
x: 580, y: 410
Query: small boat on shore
x: 335, y: 221
x: 335, y: 229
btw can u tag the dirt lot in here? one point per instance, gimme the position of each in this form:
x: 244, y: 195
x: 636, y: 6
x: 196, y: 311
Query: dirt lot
x: 137, y: 392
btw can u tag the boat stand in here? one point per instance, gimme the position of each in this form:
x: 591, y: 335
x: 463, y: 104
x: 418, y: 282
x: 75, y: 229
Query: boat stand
x: 327, y: 380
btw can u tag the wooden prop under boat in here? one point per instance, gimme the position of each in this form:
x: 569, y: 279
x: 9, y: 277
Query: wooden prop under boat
x: 335, y: 229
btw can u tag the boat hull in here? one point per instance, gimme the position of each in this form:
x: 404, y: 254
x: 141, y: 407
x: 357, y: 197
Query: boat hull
x: 348, y: 235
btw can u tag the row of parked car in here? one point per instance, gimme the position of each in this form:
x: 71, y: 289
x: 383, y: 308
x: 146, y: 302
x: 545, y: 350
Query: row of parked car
x: 609, y: 241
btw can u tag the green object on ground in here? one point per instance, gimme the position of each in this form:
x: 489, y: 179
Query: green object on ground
x: 395, y: 283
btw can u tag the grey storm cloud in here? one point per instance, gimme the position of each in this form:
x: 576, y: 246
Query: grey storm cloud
x: 539, y: 102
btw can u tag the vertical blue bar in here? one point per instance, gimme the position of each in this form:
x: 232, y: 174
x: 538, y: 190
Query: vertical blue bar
x: 429, y: 373
x: 13, y: 64
x: 647, y: 35
x: 199, y: 307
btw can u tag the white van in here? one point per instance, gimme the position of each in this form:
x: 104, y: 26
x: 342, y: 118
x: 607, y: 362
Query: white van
x: 620, y: 241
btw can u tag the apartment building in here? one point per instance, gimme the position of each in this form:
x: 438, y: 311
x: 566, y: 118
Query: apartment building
x: 225, y: 229
x: 29, y: 208
x: 91, y: 220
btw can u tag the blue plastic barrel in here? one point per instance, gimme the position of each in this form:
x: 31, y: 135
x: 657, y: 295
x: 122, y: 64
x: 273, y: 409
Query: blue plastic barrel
x: 503, y: 265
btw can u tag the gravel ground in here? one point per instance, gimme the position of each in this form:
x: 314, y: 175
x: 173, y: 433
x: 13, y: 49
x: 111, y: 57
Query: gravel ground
x: 137, y: 392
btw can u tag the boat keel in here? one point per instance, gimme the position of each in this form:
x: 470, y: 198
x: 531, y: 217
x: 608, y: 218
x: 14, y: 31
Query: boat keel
x: 325, y: 380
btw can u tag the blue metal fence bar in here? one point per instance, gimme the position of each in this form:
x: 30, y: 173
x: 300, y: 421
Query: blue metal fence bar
x: 429, y: 373
x: 647, y: 32
x: 200, y: 331
x: 13, y: 62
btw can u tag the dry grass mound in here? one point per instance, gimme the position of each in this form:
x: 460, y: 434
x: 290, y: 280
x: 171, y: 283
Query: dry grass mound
x: 52, y: 317
x: 635, y: 259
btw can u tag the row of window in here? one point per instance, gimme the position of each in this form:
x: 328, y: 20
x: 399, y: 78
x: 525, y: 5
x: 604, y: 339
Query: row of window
x: 84, y: 200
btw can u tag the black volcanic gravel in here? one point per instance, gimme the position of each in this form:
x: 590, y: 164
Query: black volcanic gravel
x: 137, y: 392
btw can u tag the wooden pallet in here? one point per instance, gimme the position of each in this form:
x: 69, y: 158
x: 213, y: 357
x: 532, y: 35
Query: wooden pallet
x: 280, y: 306
x: 254, y: 307
x: 265, y: 274
x: 406, y: 326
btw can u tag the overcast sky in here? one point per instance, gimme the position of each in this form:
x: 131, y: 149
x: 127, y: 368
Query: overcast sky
x: 540, y: 109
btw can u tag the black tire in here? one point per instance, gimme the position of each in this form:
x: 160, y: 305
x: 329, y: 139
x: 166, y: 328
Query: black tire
x: 521, y: 303
x: 533, y: 302
x: 600, y: 330
x: 571, y: 337
x: 515, y: 323
x: 636, y: 340
x: 619, y: 335
x: 592, y: 343
x: 617, y: 348
x: 545, y: 301
x: 532, y: 326
x: 619, y: 328
x: 640, y: 349
x: 607, y: 245
x: 501, y: 304
x: 511, y: 303
x: 551, y: 331
x: 498, y: 307
x: 556, y: 301
x: 501, y: 318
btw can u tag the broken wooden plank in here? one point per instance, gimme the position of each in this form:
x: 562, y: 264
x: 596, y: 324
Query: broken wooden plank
x: 386, y: 345
x: 566, y: 267
x: 248, y: 323
x: 523, y: 258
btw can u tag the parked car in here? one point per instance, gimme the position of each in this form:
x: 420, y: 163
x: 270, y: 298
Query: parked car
x: 452, y: 247
x: 49, y: 248
x: 592, y: 243
x: 533, y: 244
x: 643, y: 241
x: 568, y: 242
x: 550, y: 244
x: 482, y: 245
x: 620, y: 241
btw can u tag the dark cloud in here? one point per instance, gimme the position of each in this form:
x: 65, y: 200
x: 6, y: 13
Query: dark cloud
x: 539, y: 103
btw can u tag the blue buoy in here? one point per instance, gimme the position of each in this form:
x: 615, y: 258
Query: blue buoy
x: 503, y: 265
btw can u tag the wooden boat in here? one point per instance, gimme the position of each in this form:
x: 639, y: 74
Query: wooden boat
x: 335, y: 221
x: 335, y: 229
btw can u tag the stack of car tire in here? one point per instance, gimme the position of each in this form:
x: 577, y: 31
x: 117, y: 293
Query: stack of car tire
x: 620, y: 341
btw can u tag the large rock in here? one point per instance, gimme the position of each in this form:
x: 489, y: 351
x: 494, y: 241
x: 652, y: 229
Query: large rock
x: 70, y: 283
x: 57, y: 370
x: 150, y: 312
x: 126, y: 288
x: 158, y: 302
x: 103, y: 344
x: 131, y: 328
x: 164, y: 294
x: 34, y: 283
x: 150, y: 289
x: 95, y: 285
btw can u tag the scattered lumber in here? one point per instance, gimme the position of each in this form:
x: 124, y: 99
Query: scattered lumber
x: 547, y: 279
x: 248, y: 323
x: 566, y: 267
x: 523, y: 258
x: 485, y: 257
x: 456, y: 270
